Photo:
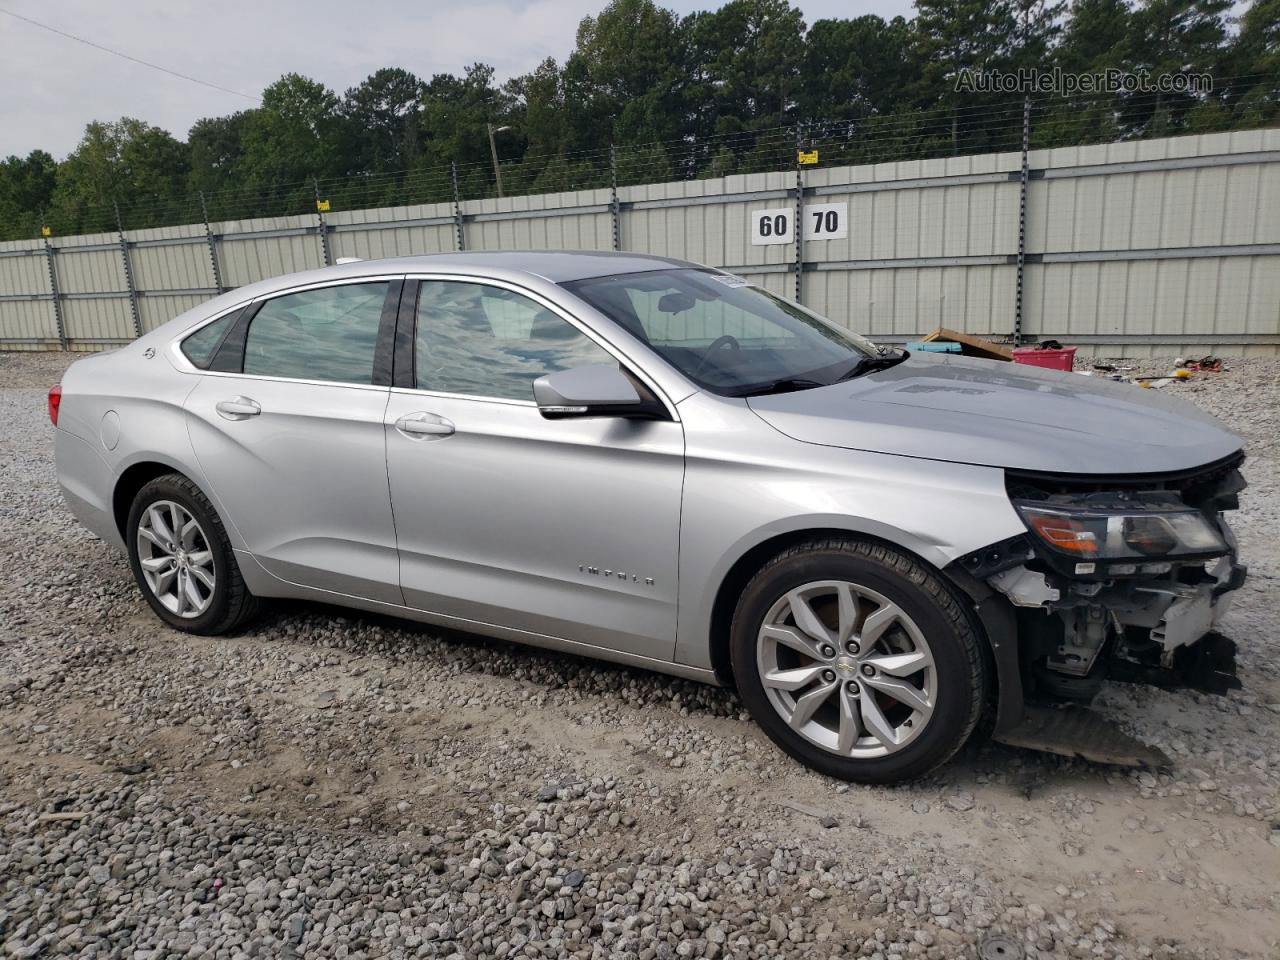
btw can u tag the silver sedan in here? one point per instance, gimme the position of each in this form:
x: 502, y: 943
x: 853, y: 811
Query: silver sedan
x: 663, y: 465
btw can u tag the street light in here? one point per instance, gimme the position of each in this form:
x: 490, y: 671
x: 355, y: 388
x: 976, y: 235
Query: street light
x: 493, y: 149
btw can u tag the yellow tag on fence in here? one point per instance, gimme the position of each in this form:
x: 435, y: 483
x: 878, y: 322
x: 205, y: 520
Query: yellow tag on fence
x: 46, y: 231
x: 807, y: 158
x: 322, y: 206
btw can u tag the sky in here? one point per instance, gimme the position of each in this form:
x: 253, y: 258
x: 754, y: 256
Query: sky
x: 55, y: 85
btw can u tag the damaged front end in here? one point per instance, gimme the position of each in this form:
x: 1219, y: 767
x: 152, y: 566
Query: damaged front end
x: 1123, y: 578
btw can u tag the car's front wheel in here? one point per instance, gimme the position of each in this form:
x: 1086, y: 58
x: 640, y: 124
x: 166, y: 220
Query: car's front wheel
x: 182, y: 559
x: 858, y: 660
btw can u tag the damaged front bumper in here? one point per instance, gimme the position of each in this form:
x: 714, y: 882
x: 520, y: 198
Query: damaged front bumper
x: 1061, y: 624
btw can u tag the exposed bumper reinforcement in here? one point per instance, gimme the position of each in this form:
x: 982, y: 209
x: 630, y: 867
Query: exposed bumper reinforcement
x: 1074, y: 731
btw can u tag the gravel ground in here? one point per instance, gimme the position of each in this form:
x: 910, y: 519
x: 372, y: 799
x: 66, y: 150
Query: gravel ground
x: 337, y: 785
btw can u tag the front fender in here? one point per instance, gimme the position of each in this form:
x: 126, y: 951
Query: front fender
x: 747, y: 484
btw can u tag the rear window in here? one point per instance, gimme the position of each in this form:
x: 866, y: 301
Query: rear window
x: 203, y: 344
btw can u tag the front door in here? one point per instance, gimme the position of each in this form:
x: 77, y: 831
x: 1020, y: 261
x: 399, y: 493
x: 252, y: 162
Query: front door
x: 564, y: 528
x: 292, y: 442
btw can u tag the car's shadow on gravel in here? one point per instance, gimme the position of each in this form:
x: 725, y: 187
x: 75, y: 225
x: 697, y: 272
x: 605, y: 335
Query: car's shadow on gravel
x: 405, y: 641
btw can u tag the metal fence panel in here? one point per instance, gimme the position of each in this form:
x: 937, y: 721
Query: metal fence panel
x: 366, y: 234
x: 161, y: 262
x: 253, y: 250
x: 161, y: 308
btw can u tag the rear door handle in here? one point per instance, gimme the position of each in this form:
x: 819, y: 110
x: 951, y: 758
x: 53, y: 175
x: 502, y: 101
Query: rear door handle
x: 424, y: 426
x: 241, y: 408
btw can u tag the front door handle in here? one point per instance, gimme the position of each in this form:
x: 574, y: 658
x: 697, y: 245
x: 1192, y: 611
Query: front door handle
x: 241, y: 408
x: 424, y: 426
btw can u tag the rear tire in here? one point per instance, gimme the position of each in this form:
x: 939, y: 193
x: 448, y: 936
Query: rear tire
x: 182, y: 559
x: 858, y: 660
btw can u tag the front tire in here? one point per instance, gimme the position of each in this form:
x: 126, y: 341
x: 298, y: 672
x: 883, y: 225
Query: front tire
x: 182, y: 559
x: 858, y: 660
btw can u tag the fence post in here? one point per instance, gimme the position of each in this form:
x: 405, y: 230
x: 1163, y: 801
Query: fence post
x: 57, y: 297
x: 457, y: 208
x: 614, y: 211
x: 324, y: 228
x: 1023, y: 183
x: 213, y: 250
x: 799, y: 220
x: 128, y: 272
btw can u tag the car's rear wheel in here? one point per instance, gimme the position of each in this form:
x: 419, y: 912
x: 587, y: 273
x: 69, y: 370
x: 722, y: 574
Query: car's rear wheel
x: 182, y: 559
x: 858, y: 660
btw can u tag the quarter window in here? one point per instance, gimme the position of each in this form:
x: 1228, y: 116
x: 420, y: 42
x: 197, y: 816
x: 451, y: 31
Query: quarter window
x: 326, y: 334
x: 201, y: 345
x: 484, y: 341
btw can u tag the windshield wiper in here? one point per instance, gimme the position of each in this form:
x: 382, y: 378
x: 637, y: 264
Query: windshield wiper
x: 782, y: 385
x: 882, y: 361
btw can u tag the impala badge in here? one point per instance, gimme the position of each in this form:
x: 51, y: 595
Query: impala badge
x: 619, y: 574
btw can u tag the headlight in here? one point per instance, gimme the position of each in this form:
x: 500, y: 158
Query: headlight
x: 1086, y: 533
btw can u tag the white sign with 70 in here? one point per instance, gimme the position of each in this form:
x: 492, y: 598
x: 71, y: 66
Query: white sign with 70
x: 822, y: 221
x: 826, y: 221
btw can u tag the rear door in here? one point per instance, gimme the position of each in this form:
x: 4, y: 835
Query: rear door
x: 564, y: 528
x: 288, y: 427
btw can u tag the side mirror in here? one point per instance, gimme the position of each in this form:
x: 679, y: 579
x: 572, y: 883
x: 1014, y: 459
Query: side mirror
x: 599, y: 390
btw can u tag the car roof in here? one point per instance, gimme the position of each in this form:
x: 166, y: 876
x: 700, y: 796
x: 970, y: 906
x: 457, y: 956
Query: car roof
x: 557, y: 266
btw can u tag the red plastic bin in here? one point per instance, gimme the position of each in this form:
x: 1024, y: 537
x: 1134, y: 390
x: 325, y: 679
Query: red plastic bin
x: 1059, y: 359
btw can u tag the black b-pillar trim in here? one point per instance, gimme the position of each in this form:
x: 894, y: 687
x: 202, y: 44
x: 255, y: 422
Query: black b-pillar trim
x: 402, y: 374
x: 384, y: 350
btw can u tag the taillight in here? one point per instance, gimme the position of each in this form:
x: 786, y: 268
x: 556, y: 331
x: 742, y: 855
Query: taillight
x: 55, y: 401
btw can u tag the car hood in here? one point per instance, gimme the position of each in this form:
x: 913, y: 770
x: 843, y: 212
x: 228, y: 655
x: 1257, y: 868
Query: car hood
x: 1000, y: 414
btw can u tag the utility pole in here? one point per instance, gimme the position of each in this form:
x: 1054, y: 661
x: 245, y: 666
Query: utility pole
x: 493, y: 151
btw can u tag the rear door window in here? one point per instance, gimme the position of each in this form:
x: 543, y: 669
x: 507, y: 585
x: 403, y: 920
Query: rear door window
x: 330, y: 333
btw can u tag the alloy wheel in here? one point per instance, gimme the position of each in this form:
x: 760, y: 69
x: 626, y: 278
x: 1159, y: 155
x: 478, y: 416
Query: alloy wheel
x: 847, y: 669
x: 175, y: 558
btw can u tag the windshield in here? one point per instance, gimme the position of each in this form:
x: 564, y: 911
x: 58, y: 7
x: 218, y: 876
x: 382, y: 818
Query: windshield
x: 722, y: 334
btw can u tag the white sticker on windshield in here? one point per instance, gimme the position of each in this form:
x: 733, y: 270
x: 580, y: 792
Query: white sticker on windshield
x: 729, y: 280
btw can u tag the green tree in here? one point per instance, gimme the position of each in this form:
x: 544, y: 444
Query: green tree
x: 26, y: 191
x: 540, y: 111
x: 1169, y: 37
x: 294, y: 136
x: 855, y: 68
x: 382, y: 121
x: 1253, y: 59
x: 1096, y: 36
x: 1095, y: 39
x: 452, y: 128
x: 627, y: 75
x: 955, y: 38
x: 141, y: 167
x: 750, y: 52
x: 216, y: 147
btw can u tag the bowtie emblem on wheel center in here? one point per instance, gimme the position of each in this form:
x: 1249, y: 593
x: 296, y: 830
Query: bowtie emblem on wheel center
x: 847, y: 667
